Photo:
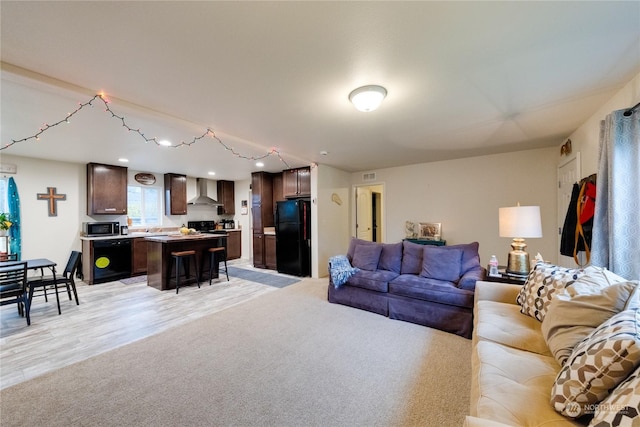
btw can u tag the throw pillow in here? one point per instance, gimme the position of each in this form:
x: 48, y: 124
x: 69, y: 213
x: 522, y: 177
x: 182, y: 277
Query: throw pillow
x: 441, y: 264
x: 366, y: 257
x: 391, y: 257
x: 470, y: 255
x: 600, y: 362
x: 593, y: 281
x: 411, y: 258
x: 352, y: 246
x: 622, y: 406
x: 570, y: 318
x: 543, y: 282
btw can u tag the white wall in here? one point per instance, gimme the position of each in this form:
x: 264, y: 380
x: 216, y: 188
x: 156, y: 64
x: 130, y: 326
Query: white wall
x: 242, y: 191
x: 464, y: 195
x: 44, y: 236
x: 586, y: 139
x: 329, y: 219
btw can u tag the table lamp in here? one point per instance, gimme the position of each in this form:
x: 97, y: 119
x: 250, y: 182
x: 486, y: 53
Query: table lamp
x: 519, y: 222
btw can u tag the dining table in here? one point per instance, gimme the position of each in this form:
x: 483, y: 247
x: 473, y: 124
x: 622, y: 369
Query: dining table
x: 37, y: 264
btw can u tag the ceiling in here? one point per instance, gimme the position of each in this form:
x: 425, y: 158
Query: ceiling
x: 463, y: 79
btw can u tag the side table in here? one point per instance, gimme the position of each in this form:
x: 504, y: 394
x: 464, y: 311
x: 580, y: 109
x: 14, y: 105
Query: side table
x: 505, y: 277
x: 427, y: 242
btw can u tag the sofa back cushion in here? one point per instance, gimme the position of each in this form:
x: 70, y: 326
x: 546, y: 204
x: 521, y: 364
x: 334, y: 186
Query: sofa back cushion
x: 470, y: 255
x: 366, y: 257
x: 440, y: 263
x: 352, y: 246
x: 391, y: 257
x: 411, y: 258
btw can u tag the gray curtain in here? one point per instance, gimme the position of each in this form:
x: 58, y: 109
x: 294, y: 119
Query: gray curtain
x: 616, y: 228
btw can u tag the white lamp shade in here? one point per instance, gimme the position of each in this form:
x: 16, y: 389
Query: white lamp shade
x: 520, y: 221
x: 367, y: 98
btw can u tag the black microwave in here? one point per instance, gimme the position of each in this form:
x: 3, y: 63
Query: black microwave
x: 95, y: 229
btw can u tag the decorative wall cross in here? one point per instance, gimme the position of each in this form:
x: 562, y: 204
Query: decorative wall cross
x: 53, y: 198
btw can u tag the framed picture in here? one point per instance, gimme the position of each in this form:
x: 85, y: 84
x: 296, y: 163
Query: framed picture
x: 429, y: 230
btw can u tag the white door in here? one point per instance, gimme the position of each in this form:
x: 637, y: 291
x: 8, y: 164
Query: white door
x: 364, y: 225
x: 568, y: 174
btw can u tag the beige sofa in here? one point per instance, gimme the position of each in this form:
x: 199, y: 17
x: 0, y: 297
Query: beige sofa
x: 513, y: 370
x: 562, y: 350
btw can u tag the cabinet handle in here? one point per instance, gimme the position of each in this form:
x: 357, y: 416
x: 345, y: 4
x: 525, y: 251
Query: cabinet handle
x: 110, y: 209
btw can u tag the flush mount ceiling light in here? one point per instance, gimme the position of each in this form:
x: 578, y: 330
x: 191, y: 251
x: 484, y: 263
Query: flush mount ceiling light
x: 367, y: 98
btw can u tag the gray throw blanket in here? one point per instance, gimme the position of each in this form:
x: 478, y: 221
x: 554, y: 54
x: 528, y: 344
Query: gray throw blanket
x: 340, y: 270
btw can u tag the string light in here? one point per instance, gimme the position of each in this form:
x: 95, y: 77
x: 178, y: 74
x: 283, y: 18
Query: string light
x: 210, y: 133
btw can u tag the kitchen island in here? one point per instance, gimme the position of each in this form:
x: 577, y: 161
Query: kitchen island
x: 160, y: 262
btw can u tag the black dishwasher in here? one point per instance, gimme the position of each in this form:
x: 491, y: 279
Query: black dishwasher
x: 111, y: 260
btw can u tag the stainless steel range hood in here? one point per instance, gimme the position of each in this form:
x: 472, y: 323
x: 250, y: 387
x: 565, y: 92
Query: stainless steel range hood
x: 201, y: 195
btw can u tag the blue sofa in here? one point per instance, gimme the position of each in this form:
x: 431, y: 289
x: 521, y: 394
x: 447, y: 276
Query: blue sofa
x: 428, y: 285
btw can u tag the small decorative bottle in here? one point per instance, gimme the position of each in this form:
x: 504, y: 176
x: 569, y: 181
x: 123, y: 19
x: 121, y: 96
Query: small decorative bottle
x: 493, y: 266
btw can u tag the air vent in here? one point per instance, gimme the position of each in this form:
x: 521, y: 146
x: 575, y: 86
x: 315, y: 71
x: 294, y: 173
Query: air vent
x: 371, y: 176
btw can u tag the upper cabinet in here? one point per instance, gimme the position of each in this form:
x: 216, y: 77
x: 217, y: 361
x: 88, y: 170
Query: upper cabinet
x: 296, y: 182
x: 226, y: 196
x: 175, y: 194
x: 106, y: 189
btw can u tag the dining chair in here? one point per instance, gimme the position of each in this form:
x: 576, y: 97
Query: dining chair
x: 13, y: 287
x: 65, y: 279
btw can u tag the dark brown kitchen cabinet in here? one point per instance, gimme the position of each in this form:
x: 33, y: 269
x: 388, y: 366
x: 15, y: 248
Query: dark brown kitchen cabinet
x: 296, y: 182
x: 262, y: 201
x: 270, y: 251
x: 234, y: 244
x: 106, y: 189
x: 139, y: 254
x: 278, y: 190
x: 226, y: 196
x: 175, y: 194
x: 258, y: 251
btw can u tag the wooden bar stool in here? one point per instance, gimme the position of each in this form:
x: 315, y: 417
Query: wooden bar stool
x: 213, y: 258
x: 179, y: 258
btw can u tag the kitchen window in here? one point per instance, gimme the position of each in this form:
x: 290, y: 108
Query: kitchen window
x: 144, y: 205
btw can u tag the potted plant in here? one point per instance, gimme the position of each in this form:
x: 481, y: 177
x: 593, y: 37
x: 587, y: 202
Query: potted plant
x: 4, y: 223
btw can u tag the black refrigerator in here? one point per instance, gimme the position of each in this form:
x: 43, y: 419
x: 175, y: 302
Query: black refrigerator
x: 293, y: 237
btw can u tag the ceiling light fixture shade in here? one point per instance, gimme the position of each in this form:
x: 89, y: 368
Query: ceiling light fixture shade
x: 367, y: 98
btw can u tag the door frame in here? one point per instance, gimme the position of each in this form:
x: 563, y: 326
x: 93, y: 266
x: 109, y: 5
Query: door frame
x: 562, y: 210
x: 377, y: 187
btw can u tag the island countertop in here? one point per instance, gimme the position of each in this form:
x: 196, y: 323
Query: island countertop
x: 160, y: 263
x: 171, y: 238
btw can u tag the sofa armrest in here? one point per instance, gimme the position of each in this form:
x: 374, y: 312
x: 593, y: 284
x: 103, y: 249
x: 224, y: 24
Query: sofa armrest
x: 469, y: 279
x: 497, y: 291
x: 481, y: 422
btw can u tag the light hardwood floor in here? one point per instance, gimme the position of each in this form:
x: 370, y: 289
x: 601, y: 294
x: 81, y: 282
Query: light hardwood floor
x: 110, y: 315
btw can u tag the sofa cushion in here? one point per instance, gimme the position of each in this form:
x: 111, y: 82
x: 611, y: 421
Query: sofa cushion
x: 373, y: 280
x: 504, y: 324
x: 366, y: 257
x: 543, y: 282
x: 570, y: 318
x: 470, y: 255
x: 622, y: 406
x: 391, y: 257
x: 441, y: 264
x: 411, y: 258
x: 598, y: 364
x: 353, y: 243
x: 513, y: 386
x: 421, y: 288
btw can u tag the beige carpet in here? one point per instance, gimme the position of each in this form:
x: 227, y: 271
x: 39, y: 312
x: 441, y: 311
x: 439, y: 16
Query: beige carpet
x: 287, y: 358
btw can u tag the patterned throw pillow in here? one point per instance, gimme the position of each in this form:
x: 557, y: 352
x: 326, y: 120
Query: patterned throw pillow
x: 598, y: 364
x: 543, y: 282
x: 622, y: 406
